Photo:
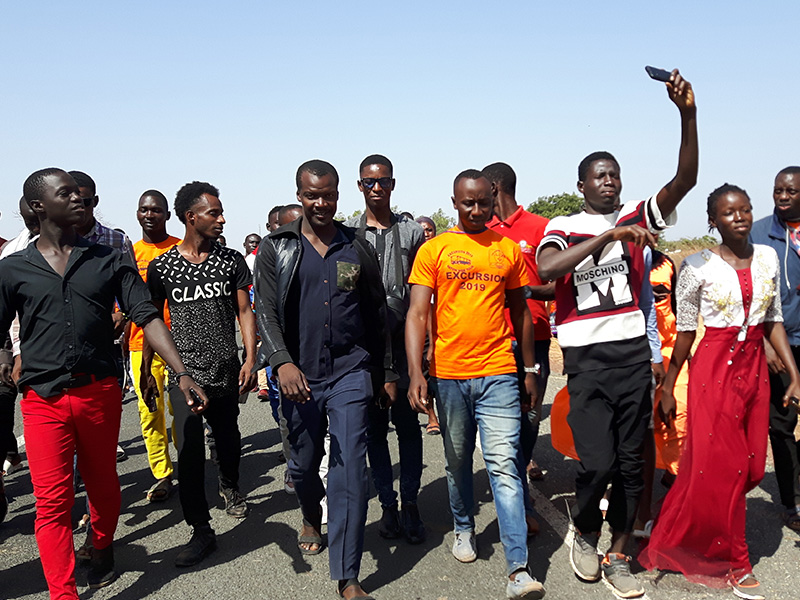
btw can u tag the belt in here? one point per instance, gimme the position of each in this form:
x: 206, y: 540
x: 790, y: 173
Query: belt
x: 77, y: 380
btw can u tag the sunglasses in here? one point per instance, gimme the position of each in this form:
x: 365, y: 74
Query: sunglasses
x: 369, y: 182
x: 88, y: 201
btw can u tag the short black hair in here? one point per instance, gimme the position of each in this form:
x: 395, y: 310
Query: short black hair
x: 273, y: 210
x: 503, y: 176
x: 84, y: 181
x: 317, y: 167
x: 713, y: 199
x: 285, y: 210
x: 789, y: 171
x: 468, y: 174
x: 376, y: 159
x: 189, y: 194
x: 158, y: 196
x: 583, y: 167
x: 34, y: 185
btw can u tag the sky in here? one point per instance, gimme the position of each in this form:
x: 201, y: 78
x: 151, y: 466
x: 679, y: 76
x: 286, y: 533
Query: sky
x: 145, y: 95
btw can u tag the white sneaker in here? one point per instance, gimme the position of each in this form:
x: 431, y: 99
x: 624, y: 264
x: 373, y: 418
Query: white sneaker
x: 464, y: 548
x: 524, y: 587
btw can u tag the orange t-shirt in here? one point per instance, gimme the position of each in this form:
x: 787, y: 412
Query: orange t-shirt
x: 469, y: 275
x: 144, y: 253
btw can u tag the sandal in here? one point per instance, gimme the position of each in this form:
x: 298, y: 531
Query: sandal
x: 432, y: 429
x: 310, y: 539
x: 791, y: 518
x: 161, y: 491
x: 346, y: 583
x: 535, y: 472
x: 315, y: 538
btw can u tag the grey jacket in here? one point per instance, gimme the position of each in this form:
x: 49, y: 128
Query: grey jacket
x: 411, y: 237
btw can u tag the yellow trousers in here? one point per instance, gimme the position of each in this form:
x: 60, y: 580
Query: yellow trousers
x: 154, y: 424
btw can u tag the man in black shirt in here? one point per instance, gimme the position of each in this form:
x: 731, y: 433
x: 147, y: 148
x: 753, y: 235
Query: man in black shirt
x: 321, y: 311
x: 64, y: 287
x: 206, y: 288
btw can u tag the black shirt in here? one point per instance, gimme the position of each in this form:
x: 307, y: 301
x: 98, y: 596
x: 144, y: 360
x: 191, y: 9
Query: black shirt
x: 331, y: 325
x: 65, y: 322
x: 202, y: 308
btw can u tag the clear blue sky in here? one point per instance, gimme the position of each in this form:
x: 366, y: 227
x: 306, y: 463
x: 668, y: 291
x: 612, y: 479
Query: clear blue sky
x: 154, y: 94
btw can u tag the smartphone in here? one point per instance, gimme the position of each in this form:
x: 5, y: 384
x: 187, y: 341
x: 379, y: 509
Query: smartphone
x: 198, y: 401
x: 658, y: 74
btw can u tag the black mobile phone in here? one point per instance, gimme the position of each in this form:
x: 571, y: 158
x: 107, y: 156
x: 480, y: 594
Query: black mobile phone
x: 658, y: 74
x: 196, y: 397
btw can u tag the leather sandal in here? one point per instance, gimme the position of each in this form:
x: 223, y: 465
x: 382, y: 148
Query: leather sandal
x: 346, y: 583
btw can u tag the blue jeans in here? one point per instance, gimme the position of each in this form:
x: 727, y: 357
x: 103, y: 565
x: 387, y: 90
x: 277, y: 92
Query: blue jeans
x: 488, y: 406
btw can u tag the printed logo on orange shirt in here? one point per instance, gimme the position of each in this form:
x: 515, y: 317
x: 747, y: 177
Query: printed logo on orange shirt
x: 497, y: 259
x: 460, y: 260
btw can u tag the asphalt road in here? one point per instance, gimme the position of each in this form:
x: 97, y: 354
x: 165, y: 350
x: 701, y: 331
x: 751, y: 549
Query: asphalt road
x: 258, y: 557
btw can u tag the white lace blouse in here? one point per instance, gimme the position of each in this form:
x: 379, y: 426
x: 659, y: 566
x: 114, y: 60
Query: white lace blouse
x: 709, y: 286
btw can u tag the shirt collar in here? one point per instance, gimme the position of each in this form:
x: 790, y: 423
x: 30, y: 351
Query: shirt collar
x: 512, y: 218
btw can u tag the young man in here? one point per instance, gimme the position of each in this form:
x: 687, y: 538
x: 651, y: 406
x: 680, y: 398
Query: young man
x: 596, y: 259
x: 64, y: 288
x: 396, y: 240
x: 526, y: 229
x: 205, y: 287
x: 467, y: 269
x: 780, y: 230
x: 153, y: 214
x: 94, y: 231
x: 250, y: 245
x: 321, y: 312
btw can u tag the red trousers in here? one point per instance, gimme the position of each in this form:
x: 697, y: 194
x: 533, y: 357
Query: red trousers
x: 83, y: 420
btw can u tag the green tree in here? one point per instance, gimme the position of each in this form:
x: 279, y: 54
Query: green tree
x: 442, y: 221
x: 556, y: 205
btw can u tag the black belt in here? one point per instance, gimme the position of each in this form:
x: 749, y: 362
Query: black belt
x: 77, y: 380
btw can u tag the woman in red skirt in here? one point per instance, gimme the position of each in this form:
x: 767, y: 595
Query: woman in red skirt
x: 701, y: 529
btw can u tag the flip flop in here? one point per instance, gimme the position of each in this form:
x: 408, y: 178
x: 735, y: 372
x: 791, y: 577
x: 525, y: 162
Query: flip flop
x: 346, y: 583
x: 161, y: 491
x: 433, y: 430
x: 310, y: 539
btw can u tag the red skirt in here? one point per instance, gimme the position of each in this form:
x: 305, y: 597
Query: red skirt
x: 701, y: 529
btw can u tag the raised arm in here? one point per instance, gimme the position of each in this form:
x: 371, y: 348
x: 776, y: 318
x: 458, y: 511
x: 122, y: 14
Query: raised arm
x: 681, y: 93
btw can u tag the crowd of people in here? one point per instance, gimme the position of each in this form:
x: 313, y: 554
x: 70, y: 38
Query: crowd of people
x: 348, y: 327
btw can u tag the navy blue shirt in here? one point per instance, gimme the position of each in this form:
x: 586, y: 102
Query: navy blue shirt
x: 331, y: 324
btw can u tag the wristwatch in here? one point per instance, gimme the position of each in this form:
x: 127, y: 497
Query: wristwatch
x: 535, y: 369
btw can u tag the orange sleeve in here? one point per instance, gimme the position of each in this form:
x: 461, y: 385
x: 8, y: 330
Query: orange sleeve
x: 518, y: 273
x: 424, y: 271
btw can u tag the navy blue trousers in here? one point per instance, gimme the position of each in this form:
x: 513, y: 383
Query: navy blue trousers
x: 341, y: 407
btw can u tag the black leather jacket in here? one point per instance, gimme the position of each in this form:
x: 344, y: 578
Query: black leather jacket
x: 275, y: 284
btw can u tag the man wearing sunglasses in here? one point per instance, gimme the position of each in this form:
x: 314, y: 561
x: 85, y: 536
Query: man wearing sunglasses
x: 396, y: 240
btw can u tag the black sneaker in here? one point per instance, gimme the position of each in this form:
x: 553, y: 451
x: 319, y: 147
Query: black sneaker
x: 389, y: 525
x: 101, y: 568
x: 235, y: 505
x: 203, y: 543
x: 413, y: 527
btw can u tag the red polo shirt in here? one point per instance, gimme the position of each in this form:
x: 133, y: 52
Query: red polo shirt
x: 527, y: 230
